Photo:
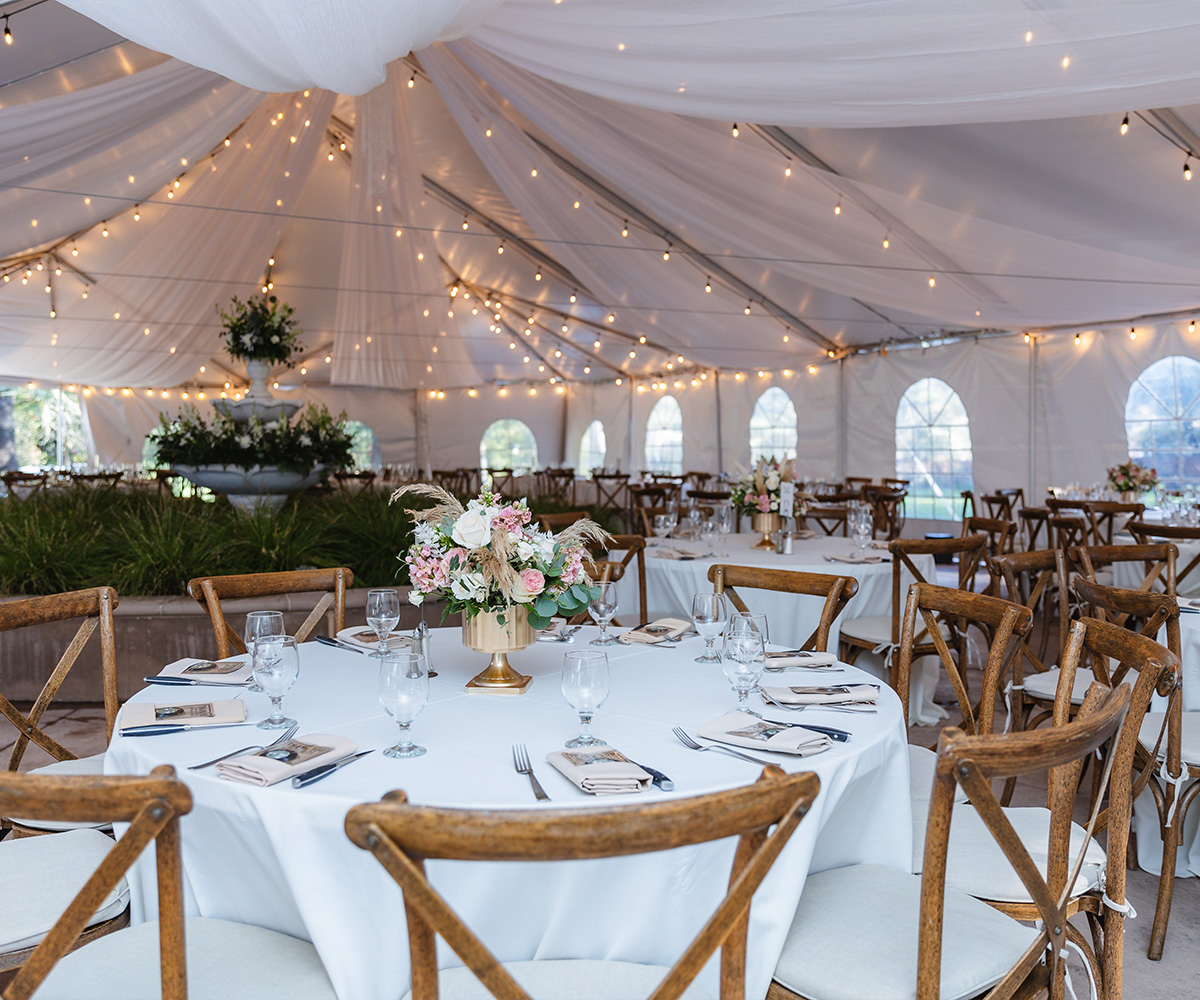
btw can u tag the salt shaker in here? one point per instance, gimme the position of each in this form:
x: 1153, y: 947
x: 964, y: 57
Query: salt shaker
x: 787, y: 543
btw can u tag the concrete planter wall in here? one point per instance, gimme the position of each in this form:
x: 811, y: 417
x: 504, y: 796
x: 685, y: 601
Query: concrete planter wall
x: 152, y: 631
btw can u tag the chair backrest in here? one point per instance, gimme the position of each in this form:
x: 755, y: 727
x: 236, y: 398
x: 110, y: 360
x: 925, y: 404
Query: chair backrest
x: 972, y: 762
x: 634, y: 547
x: 1033, y: 521
x: 402, y: 836
x: 831, y: 520
x: 999, y: 533
x: 970, y: 550
x: 836, y: 590
x: 556, y: 522
x: 895, y: 484
x: 697, y: 481
x: 610, y: 489
x: 504, y: 482
x: 1158, y: 563
x: 999, y: 506
x: 645, y: 519
x: 22, y: 485
x: 209, y: 591
x: 927, y: 608
x: 710, y: 496
x: 649, y: 496
x: 854, y: 482
x: 1028, y: 579
x: 152, y: 807
x: 558, y: 484
x: 95, y: 607
x: 1110, y: 517
x: 1068, y: 531
x: 1144, y: 533
x: 887, y: 507
x: 968, y: 504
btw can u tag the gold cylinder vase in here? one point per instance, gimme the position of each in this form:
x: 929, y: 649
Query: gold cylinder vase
x: 765, y: 525
x: 485, y: 634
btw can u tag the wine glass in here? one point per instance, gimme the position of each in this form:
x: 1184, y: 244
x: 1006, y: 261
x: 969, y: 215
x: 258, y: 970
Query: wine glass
x: 860, y: 525
x: 403, y: 691
x: 708, y: 535
x: 709, y: 613
x: 258, y: 624
x: 602, y: 609
x: 743, y: 659
x: 383, y: 615
x: 276, y: 667
x: 585, y: 686
x: 673, y: 513
x: 695, y: 516
x: 750, y: 621
x: 662, y: 525
x: 725, y: 525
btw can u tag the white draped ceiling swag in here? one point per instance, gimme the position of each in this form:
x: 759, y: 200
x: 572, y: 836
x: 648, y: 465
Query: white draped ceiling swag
x: 593, y: 141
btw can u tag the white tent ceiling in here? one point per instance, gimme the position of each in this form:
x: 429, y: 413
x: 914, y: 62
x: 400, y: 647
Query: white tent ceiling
x: 1023, y: 218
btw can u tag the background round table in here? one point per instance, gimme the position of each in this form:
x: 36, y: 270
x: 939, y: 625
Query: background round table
x: 278, y: 857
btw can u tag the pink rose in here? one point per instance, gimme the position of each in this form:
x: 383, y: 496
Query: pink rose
x: 764, y: 504
x: 533, y: 581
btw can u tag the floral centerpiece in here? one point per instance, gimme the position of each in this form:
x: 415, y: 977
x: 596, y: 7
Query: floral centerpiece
x: 261, y: 329
x: 506, y: 576
x: 757, y: 494
x: 1132, y: 478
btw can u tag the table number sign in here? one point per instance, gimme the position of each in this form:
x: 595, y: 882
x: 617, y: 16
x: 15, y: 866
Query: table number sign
x: 787, y: 499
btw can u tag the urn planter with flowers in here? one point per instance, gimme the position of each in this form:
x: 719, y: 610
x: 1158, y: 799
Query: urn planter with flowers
x: 506, y: 576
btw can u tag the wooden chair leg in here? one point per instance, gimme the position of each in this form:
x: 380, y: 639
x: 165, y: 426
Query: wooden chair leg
x: 1171, y: 836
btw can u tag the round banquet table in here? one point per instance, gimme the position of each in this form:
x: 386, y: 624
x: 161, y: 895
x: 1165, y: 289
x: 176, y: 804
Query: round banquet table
x: 278, y: 857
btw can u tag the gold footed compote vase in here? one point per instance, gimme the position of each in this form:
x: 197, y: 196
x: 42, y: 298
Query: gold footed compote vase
x: 765, y: 525
x: 485, y: 634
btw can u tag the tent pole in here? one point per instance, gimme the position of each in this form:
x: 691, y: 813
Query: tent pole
x: 720, y: 423
x: 419, y: 430
x: 841, y: 420
x: 629, y: 436
x: 562, y: 452
x: 1033, y: 355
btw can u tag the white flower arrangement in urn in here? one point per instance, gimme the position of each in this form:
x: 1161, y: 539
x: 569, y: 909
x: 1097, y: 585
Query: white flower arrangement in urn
x: 758, y: 495
x: 490, y: 562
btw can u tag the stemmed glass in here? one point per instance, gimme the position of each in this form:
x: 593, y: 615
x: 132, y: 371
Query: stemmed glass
x: 673, y: 513
x: 662, y: 525
x: 860, y: 526
x: 602, y: 609
x: 403, y: 691
x: 708, y: 615
x: 276, y: 667
x: 725, y: 525
x: 259, y: 624
x: 585, y: 686
x: 708, y: 535
x: 695, y: 516
x: 743, y: 659
x: 383, y: 615
x: 753, y: 621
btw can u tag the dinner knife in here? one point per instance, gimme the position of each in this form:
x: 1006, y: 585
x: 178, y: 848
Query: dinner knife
x: 190, y: 681
x: 162, y: 729
x: 326, y: 640
x: 660, y: 779
x: 840, y: 735
x: 325, y: 770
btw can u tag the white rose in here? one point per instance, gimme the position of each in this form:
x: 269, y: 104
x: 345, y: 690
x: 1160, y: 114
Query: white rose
x: 772, y: 482
x: 244, y: 440
x: 526, y: 550
x: 415, y: 597
x: 473, y: 529
x: 275, y: 339
x: 306, y: 440
x: 468, y: 587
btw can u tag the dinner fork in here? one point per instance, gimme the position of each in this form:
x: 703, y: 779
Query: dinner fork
x: 522, y: 765
x: 288, y: 734
x: 691, y: 744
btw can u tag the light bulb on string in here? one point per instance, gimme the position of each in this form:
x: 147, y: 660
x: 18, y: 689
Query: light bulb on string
x: 735, y: 130
x: 787, y: 171
x: 1192, y: 327
x: 1132, y: 333
x: 1187, y: 169
x: 1125, y: 125
x: 137, y: 213
x: 8, y: 35
x: 1078, y: 340
x: 500, y: 248
x: 887, y: 239
x: 104, y: 231
x: 837, y: 209
x: 932, y: 281
x: 747, y: 309
x: 412, y: 81
x: 667, y: 252
x: 625, y: 228
x: 573, y: 297
x: 466, y: 223
x: 538, y: 276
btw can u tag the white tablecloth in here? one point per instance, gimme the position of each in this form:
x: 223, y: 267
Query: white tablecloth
x: 278, y: 857
x: 1130, y: 575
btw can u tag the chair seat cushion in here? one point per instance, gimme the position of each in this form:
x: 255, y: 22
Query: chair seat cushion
x: 855, y: 936
x: 1189, y: 749
x: 558, y: 979
x: 922, y: 762
x: 225, y: 960
x: 877, y: 629
x: 92, y: 767
x: 1044, y: 684
x: 39, y: 876
x: 976, y: 865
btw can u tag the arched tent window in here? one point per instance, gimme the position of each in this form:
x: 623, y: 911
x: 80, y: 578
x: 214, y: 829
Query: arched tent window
x: 364, y: 445
x: 773, y: 426
x: 508, y: 444
x: 592, y: 449
x: 933, y: 449
x: 1162, y: 420
x: 664, y: 437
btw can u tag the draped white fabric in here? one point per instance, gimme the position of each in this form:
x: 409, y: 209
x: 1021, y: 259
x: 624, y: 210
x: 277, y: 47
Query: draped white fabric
x: 388, y: 331
x: 838, y: 63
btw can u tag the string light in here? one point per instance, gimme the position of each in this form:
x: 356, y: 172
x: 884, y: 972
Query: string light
x: 887, y: 239
x: 104, y: 231
x: 708, y: 284
x: 1027, y: 338
x: 466, y: 223
x: 667, y: 252
x: 932, y: 281
x: 812, y: 369
x: 500, y: 248
x: 747, y: 309
x: 1192, y: 327
x: 412, y: 81
x: 8, y: 35
x: 611, y: 317
x: 573, y: 296
x: 787, y: 171
x: 1132, y: 333
x: 1078, y: 340
x: 735, y: 130
x: 837, y: 209
x: 137, y: 213
x: 538, y: 275
x: 1125, y: 125
x: 1187, y: 170
x: 625, y: 228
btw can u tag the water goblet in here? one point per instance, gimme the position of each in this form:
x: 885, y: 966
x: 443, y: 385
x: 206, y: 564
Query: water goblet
x: 709, y: 613
x: 749, y: 621
x: 260, y: 623
x: 708, y: 535
x: 276, y: 667
x: 662, y: 525
x: 743, y: 659
x: 383, y: 615
x: 602, y: 609
x: 725, y: 525
x: 585, y: 686
x: 403, y: 692
x: 695, y: 516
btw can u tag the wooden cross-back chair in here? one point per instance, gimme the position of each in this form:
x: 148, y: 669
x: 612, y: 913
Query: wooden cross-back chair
x: 452, y: 481
x: 999, y: 535
x: 210, y: 591
x: 836, y: 591
x: 1144, y: 533
x: 1158, y: 563
x: 609, y: 570
x: 1016, y: 492
x: 148, y: 960
x: 504, y: 482
x: 95, y: 607
x: 1034, y: 520
x: 896, y: 484
x: 999, y: 506
x: 887, y: 510
x: 710, y: 496
x: 837, y: 495
x: 831, y: 520
x: 1110, y: 517
x: 697, y: 481
x: 881, y: 633
x: 837, y: 944
x: 556, y: 522
x: 558, y: 485
x: 969, y: 506
x: 858, y: 482
x: 98, y: 479
x: 645, y: 520
x: 1068, y: 531
x: 403, y: 836
x: 1077, y: 509
x: 354, y: 482
x: 611, y: 488
x: 23, y: 485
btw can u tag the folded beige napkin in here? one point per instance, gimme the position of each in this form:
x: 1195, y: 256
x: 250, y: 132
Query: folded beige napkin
x: 742, y: 730
x: 805, y: 658
x: 235, y: 671
x: 364, y: 635
x: 657, y: 631
x: 853, y: 558
x: 837, y: 694
x: 879, y: 543
x: 678, y: 553
x: 275, y: 764
x: 201, y: 713
x: 600, y: 770
x: 804, y: 534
